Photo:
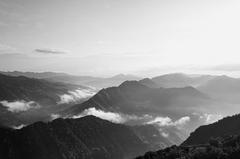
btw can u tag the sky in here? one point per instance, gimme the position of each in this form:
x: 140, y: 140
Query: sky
x: 108, y: 37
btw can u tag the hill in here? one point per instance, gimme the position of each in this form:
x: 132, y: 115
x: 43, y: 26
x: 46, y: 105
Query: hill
x: 87, y: 137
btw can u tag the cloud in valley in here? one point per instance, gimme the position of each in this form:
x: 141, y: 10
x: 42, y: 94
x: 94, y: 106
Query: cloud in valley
x: 74, y: 96
x: 164, y: 134
x: 55, y: 116
x: 166, y: 121
x: 19, y: 126
x: 19, y: 106
x: 110, y: 116
x: 210, y: 118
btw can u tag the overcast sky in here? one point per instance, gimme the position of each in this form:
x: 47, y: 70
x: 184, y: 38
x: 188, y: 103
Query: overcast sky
x: 107, y: 37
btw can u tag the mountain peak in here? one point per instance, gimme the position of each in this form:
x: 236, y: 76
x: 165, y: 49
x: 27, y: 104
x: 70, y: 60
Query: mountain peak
x: 125, y: 76
x: 131, y: 84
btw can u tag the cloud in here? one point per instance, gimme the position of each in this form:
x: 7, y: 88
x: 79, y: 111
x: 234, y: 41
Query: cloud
x: 19, y: 106
x: 110, y: 116
x: 55, y: 116
x: 182, y: 120
x: 74, y: 96
x: 210, y: 118
x: 161, y: 121
x: 49, y: 51
x: 123, y: 118
x: 164, y: 134
x: 166, y: 121
x: 19, y: 126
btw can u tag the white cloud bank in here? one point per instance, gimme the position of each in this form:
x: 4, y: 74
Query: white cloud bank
x: 19, y: 106
x: 19, y: 126
x: 211, y: 118
x: 123, y: 118
x: 208, y: 118
x: 74, y: 96
x: 166, y: 121
x: 110, y: 116
x: 55, y: 116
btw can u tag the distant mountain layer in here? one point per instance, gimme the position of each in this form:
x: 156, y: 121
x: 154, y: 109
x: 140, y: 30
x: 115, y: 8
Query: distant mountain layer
x: 180, y: 80
x: 36, y: 75
x: 97, y: 82
x: 88, y: 137
x: 134, y: 97
x: 25, y: 100
x: 223, y: 88
x: 30, y: 89
x: 224, y: 127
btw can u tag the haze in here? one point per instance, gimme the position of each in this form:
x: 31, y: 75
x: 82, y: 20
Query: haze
x: 106, y: 37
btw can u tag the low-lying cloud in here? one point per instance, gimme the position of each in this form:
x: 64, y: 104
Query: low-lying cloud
x: 49, y: 51
x: 210, y: 118
x: 110, y: 116
x: 123, y: 118
x: 19, y: 106
x: 55, y: 116
x: 74, y: 96
x: 166, y: 121
x: 19, y: 126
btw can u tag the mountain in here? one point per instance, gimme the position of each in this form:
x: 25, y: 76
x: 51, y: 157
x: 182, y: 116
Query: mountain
x: 223, y: 88
x: 23, y: 88
x: 94, y: 81
x: 169, y: 109
x: 224, y: 127
x: 180, y: 80
x: 218, y: 140
x: 132, y: 97
x: 151, y: 136
x: 220, y: 148
x: 39, y: 75
x: 88, y: 137
x: 24, y: 99
x: 98, y: 82
x: 149, y: 83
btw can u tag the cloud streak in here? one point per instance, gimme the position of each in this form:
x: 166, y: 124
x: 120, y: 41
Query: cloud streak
x: 19, y: 126
x: 210, y: 118
x: 19, y: 106
x: 74, y: 96
x: 110, y: 116
x: 49, y: 51
x: 166, y: 121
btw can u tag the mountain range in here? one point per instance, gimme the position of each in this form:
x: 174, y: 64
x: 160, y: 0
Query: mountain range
x: 98, y: 82
x: 150, y: 113
x: 85, y: 137
x: 25, y: 100
x: 134, y: 97
x: 224, y: 127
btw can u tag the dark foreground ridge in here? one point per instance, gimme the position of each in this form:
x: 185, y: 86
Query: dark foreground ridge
x: 227, y: 147
x: 85, y: 138
x: 220, y: 140
x: 225, y: 127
